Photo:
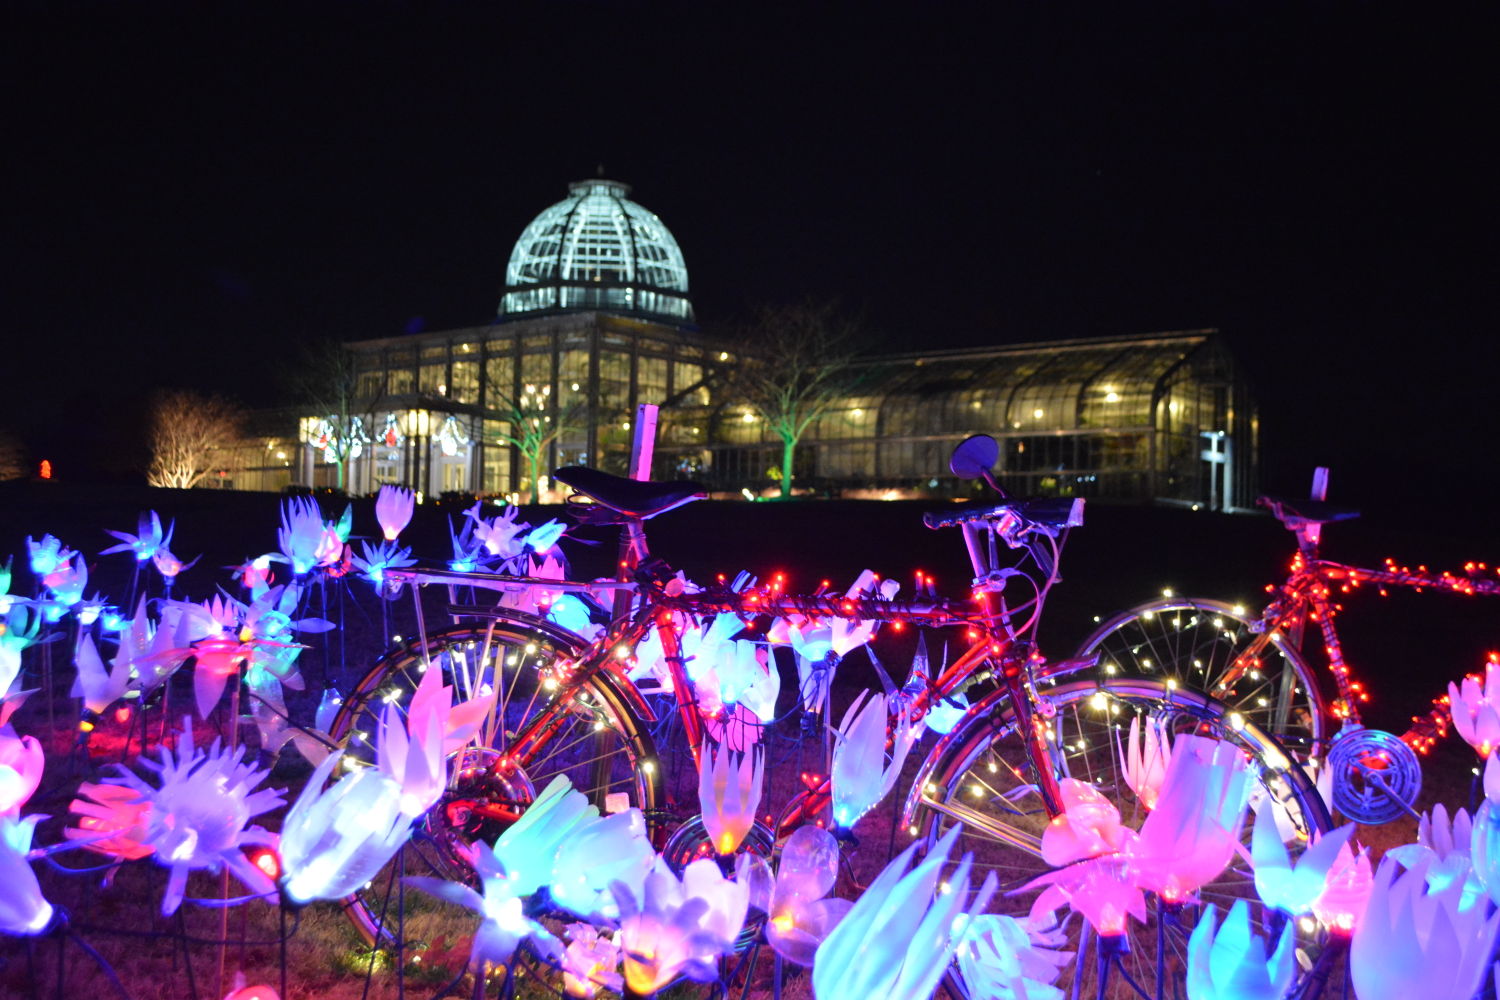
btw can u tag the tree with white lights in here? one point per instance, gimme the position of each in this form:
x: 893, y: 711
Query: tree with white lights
x: 192, y: 434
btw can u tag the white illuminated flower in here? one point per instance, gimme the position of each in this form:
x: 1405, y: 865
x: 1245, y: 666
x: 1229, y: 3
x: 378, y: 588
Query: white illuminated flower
x: 393, y: 509
x: 613, y: 849
x: 1191, y: 835
x: 98, y: 689
x: 497, y: 534
x: 1444, y: 845
x: 1230, y: 962
x: 862, y: 772
x: 899, y: 936
x: 678, y: 927
x: 21, y: 762
x: 47, y: 555
x: 729, y: 789
x: 336, y: 839
x: 1287, y: 885
x: 1000, y: 958
x: 412, y: 758
x: 198, y: 814
x: 24, y: 911
x: 112, y: 820
x: 1476, y: 710
x: 798, y: 916
x: 305, y: 541
x: 19, y: 630
x: 1415, y: 943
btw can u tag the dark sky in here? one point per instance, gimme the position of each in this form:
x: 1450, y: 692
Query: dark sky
x: 192, y: 194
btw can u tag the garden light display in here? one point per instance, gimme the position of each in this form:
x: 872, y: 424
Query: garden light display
x: 729, y: 791
x: 1292, y: 886
x: 800, y: 913
x: 199, y: 813
x: 863, y: 773
x: 393, y: 509
x: 23, y: 909
x: 1415, y: 942
x: 1229, y: 962
x: 335, y: 839
x: 674, y: 927
x: 899, y: 936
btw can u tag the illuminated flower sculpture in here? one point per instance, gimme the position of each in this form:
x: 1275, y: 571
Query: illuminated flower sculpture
x: 615, y: 849
x: 19, y: 630
x: 1282, y: 883
x: 145, y: 542
x: 112, y: 820
x: 1088, y: 826
x: 24, y: 912
x: 528, y: 846
x: 898, y: 938
x: 1341, y: 904
x: 678, y: 927
x: 1414, y: 943
x: 729, y: 789
x: 21, y: 761
x: 198, y: 814
x: 1147, y: 752
x: 1000, y: 959
x: 590, y: 962
x: 1476, y: 710
x: 47, y: 555
x: 336, y: 839
x: 1484, y: 843
x: 799, y: 917
x: 1230, y: 962
x: 1444, y: 845
x: 98, y: 688
x: 305, y: 540
x: 393, y: 509
x: 375, y: 561
x: 1191, y: 835
x: 862, y: 772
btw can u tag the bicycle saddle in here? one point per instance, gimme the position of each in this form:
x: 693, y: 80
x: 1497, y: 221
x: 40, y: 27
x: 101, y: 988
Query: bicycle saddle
x: 1294, y: 513
x: 628, y: 497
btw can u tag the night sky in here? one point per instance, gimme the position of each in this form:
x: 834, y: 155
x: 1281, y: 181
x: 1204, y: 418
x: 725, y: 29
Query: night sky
x: 192, y: 195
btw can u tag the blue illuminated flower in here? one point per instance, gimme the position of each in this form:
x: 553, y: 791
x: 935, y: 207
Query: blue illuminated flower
x: 862, y: 772
x: 599, y: 854
x: 304, y: 539
x: 386, y: 555
x: 24, y: 911
x: 542, y: 538
x: 1282, y: 883
x: 47, y: 555
x: 67, y: 580
x: 1230, y: 962
x: 148, y: 538
x: 898, y: 938
x: 1000, y: 958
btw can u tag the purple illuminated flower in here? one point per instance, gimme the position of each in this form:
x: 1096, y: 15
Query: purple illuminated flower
x: 799, y: 913
x: 1476, y: 710
x: 678, y: 927
x: 590, y: 962
x: 145, y: 542
x: 199, y: 813
x: 393, y: 509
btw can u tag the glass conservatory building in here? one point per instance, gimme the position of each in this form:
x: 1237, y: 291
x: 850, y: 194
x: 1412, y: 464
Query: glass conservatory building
x: 595, y: 319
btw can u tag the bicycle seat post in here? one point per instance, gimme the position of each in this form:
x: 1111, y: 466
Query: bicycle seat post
x: 1310, y: 534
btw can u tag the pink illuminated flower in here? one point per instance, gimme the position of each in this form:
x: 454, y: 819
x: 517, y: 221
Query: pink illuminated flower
x: 1191, y: 835
x: 112, y: 820
x: 1230, y: 962
x: 1102, y: 889
x: 21, y: 762
x: 169, y: 566
x: 1416, y: 943
x: 393, y: 509
x: 198, y: 815
x: 411, y: 755
x: 1476, y: 710
x: 729, y: 789
x: 1088, y: 826
x: 1145, y: 757
x: 1341, y: 904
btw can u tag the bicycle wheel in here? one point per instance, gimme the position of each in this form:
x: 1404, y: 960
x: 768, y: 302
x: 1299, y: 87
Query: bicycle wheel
x: 1210, y: 646
x: 978, y: 777
x: 589, y: 731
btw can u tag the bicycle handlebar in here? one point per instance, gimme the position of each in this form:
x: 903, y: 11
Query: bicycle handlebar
x: 1048, y: 515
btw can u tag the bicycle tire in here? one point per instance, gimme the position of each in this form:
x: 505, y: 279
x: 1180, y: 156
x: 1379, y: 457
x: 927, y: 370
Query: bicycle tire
x: 599, y: 741
x: 1197, y: 643
x: 983, y: 755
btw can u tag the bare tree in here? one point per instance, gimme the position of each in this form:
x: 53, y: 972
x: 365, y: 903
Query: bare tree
x: 533, y: 421
x: 326, y: 383
x: 191, y: 435
x: 13, y: 464
x: 799, y: 370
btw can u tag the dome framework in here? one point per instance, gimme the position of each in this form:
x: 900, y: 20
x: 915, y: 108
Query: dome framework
x: 597, y: 250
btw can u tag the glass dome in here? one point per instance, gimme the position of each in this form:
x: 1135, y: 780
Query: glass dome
x: 597, y: 249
